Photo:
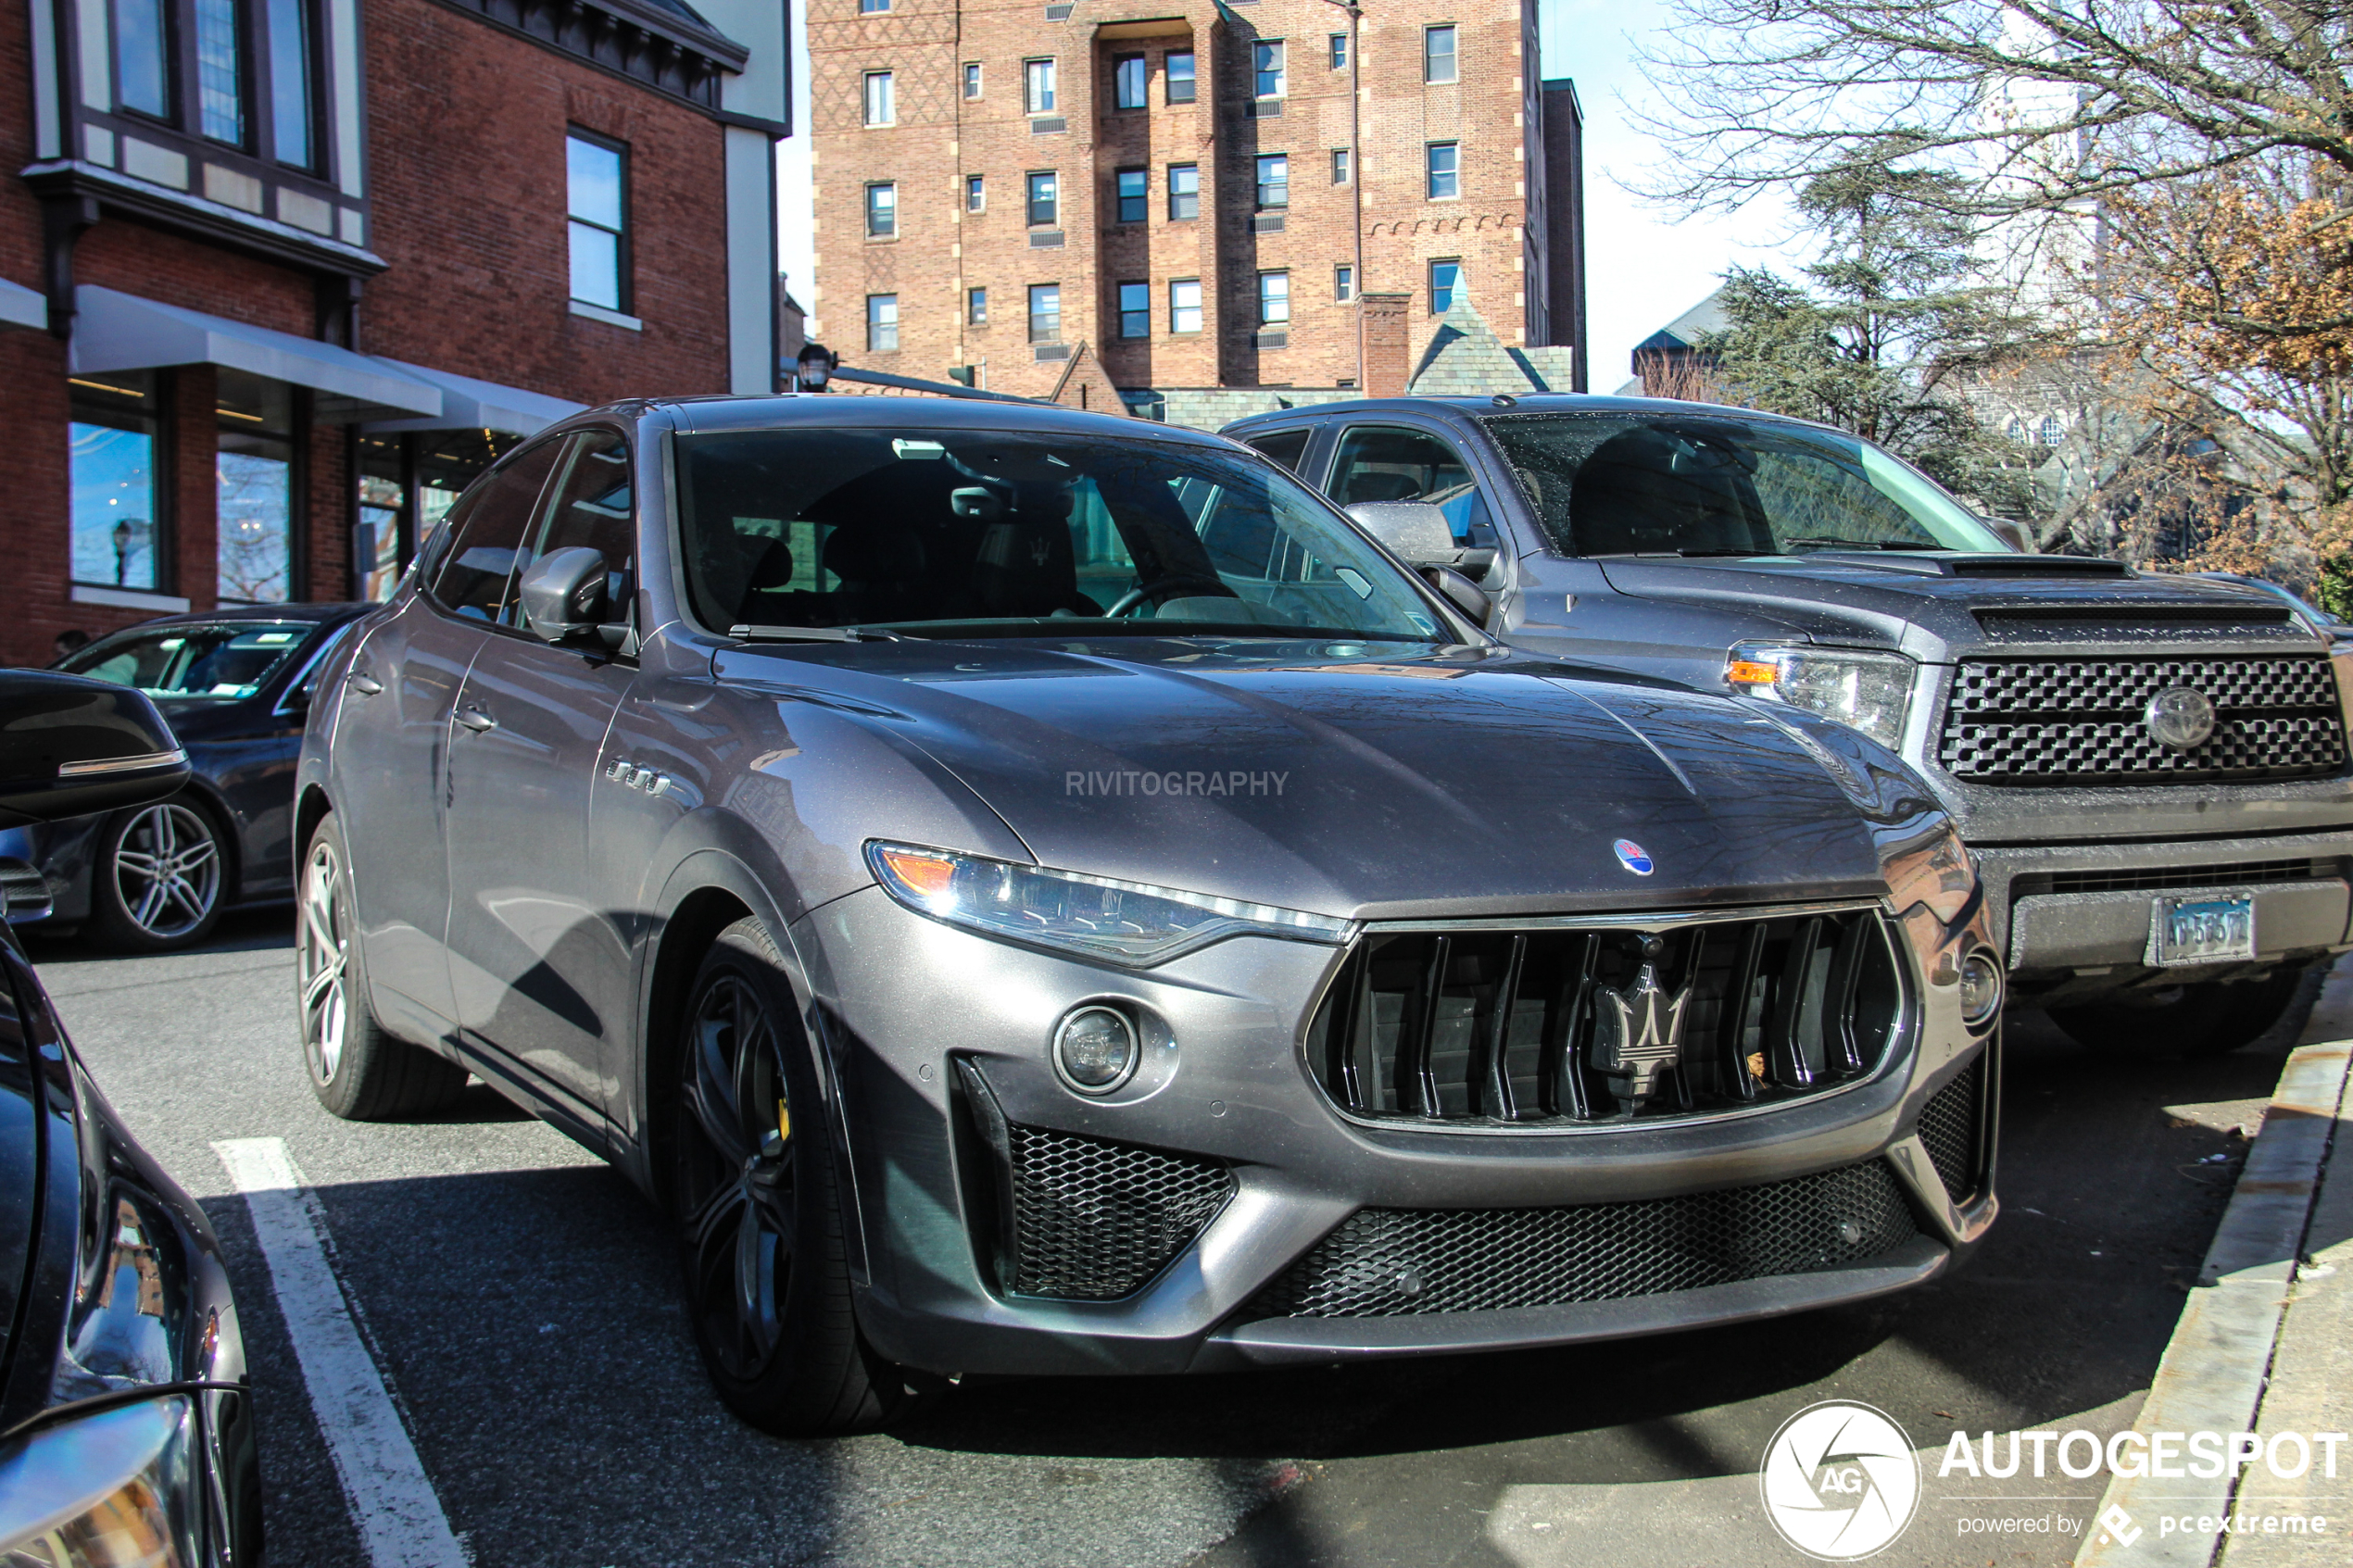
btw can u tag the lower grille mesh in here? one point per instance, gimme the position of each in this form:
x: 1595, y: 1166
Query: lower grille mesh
x: 1948, y: 1126
x: 1093, y: 1219
x: 1387, y: 1262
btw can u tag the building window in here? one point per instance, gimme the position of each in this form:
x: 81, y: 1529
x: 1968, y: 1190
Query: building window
x: 1445, y: 282
x: 597, y: 180
x: 1045, y: 312
x: 975, y: 194
x: 882, y: 212
x: 1184, y: 306
x: 2050, y: 432
x: 882, y: 100
x: 1274, y: 181
x: 1445, y: 171
x: 1343, y: 284
x: 1135, y: 196
x: 1339, y: 51
x: 882, y: 323
x: 1266, y: 62
x: 1127, y: 82
x: 254, y: 473
x: 1274, y: 298
x: 293, y: 103
x: 869, y: 7
x: 1184, y: 190
x: 972, y: 78
x: 1135, y: 310
x: 1340, y: 165
x: 1179, y: 69
x: 1438, y: 54
x: 143, y: 55
x: 1044, y: 202
x: 221, y: 73
x: 1038, y: 87
x: 118, y: 531
x: 976, y: 307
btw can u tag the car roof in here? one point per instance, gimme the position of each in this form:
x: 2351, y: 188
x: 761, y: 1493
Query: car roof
x: 860, y: 412
x: 1525, y: 403
x: 320, y: 614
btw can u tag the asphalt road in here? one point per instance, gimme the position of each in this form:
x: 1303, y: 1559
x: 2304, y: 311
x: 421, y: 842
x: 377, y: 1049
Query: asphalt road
x: 519, y: 1300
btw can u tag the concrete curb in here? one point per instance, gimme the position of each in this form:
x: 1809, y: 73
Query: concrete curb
x: 2217, y: 1365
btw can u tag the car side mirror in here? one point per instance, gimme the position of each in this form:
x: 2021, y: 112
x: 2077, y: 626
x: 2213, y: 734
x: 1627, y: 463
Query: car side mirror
x: 72, y: 747
x: 1462, y: 593
x: 563, y: 593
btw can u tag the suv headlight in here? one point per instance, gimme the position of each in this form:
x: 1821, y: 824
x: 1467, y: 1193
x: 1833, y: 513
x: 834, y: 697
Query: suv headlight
x: 120, y: 1486
x: 1125, y: 923
x: 1870, y: 691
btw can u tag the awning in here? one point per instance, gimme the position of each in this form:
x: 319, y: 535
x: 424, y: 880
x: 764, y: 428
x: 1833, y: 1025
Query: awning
x: 468, y: 404
x: 21, y: 306
x: 121, y: 332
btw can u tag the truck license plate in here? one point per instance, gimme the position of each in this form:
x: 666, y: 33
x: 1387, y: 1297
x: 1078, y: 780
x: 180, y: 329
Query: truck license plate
x: 2186, y: 930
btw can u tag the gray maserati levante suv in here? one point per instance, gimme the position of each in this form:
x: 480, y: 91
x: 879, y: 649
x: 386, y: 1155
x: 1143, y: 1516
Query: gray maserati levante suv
x: 1032, y: 892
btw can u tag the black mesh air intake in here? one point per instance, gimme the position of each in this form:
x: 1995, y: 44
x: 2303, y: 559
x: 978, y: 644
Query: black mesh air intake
x: 1949, y: 1127
x: 1385, y: 1262
x: 1093, y: 1219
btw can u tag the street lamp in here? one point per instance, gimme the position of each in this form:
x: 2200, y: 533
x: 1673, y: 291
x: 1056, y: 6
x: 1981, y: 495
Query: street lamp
x: 128, y: 534
x: 814, y: 365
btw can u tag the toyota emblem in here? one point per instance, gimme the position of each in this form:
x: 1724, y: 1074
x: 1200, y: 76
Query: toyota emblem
x: 2179, y: 717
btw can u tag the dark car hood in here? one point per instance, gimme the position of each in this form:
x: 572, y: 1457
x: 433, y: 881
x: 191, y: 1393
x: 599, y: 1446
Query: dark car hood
x: 1379, y: 782
x: 1931, y: 606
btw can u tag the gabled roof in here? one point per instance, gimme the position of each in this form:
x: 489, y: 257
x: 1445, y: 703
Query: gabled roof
x: 1685, y: 331
x: 1465, y: 357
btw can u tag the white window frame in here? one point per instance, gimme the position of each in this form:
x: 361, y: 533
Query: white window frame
x: 1037, y: 94
x: 882, y: 98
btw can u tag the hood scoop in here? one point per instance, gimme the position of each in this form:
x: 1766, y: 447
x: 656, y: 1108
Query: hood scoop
x: 2135, y: 623
x: 2034, y: 566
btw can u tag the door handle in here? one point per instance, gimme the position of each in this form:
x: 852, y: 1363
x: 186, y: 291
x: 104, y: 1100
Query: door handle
x: 476, y: 720
x: 364, y: 683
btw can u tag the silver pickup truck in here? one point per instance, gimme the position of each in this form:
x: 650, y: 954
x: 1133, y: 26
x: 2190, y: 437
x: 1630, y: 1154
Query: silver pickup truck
x: 2151, y: 769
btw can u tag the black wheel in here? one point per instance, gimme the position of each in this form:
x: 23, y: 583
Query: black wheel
x: 2209, y: 1018
x: 360, y: 1070
x: 760, y: 1229
x: 159, y: 877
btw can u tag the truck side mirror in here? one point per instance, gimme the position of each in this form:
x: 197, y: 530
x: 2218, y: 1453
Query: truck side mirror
x: 72, y: 747
x: 563, y: 593
x: 1415, y: 531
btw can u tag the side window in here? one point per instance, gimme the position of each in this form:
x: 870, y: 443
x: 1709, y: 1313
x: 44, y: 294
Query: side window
x: 592, y: 506
x: 477, y: 572
x: 1382, y: 463
x: 1285, y: 447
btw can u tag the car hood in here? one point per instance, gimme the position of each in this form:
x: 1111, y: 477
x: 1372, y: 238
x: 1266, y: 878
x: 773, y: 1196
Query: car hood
x: 1378, y: 781
x: 1935, y: 606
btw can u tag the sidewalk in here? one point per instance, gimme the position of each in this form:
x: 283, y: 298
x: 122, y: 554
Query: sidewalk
x: 2265, y: 1343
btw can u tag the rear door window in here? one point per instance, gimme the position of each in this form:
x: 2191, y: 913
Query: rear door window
x: 1285, y: 447
x: 476, y: 577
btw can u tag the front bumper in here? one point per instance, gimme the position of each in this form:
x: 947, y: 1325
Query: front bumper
x: 912, y: 1011
x: 2077, y: 915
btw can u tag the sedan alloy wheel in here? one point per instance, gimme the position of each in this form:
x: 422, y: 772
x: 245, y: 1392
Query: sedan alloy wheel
x: 163, y: 877
x: 736, y: 1187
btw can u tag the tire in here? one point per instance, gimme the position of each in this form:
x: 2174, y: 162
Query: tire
x: 2209, y: 1018
x: 360, y: 1070
x: 159, y: 878
x: 760, y: 1218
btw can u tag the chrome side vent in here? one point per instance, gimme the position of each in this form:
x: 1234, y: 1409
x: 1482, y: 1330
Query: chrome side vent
x: 1557, y: 1025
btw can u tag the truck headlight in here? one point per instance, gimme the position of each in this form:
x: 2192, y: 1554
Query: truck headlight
x: 100, y: 1491
x: 1124, y: 923
x: 1870, y: 691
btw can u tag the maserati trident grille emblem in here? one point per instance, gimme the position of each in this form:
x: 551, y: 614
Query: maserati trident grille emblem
x: 1639, y: 1031
x: 1633, y: 857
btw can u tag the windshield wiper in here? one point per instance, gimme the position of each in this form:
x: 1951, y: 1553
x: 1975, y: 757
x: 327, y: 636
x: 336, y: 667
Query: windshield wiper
x: 1829, y: 544
x: 814, y: 635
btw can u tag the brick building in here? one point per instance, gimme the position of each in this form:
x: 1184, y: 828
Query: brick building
x: 1117, y: 200
x: 280, y: 276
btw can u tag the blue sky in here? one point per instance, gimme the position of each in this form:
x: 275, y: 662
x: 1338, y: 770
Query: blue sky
x: 1645, y: 265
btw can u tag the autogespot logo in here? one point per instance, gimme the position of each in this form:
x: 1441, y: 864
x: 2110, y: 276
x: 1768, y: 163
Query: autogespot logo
x: 1840, y: 1481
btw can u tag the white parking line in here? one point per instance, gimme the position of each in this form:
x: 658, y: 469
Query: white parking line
x: 392, y: 1504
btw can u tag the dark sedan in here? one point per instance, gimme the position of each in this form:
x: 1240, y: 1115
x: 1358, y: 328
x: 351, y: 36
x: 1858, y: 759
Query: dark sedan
x: 234, y: 684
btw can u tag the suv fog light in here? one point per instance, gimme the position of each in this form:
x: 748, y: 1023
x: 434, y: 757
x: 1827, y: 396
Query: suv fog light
x: 1980, y: 987
x: 1095, y: 1050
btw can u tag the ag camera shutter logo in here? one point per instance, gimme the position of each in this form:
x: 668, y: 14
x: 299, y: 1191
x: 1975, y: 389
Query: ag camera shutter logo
x: 1840, y: 1481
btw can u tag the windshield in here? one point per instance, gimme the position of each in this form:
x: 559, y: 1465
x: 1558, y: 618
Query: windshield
x: 1706, y: 485
x: 964, y: 533
x: 224, y: 660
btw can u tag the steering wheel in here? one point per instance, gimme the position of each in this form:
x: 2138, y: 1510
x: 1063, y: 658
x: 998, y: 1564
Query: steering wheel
x: 1142, y: 591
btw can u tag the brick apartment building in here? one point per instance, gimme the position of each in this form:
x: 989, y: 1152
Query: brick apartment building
x: 278, y: 277
x: 1110, y: 199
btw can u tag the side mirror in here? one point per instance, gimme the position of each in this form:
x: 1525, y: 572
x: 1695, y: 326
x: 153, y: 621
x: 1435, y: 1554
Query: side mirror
x: 72, y: 747
x: 2009, y: 533
x: 1462, y: 593
x: 563, y: 593
x: 1415, y: 531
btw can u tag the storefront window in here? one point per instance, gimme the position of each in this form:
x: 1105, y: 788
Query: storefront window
x: 256, y: 489
x: 117, y: 530
x: 377, y: 551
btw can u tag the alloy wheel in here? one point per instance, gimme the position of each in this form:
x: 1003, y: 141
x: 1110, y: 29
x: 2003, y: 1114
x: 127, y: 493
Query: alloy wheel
x: 737, y: 1196
x: 166, y: 870
x: 323, y: 955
